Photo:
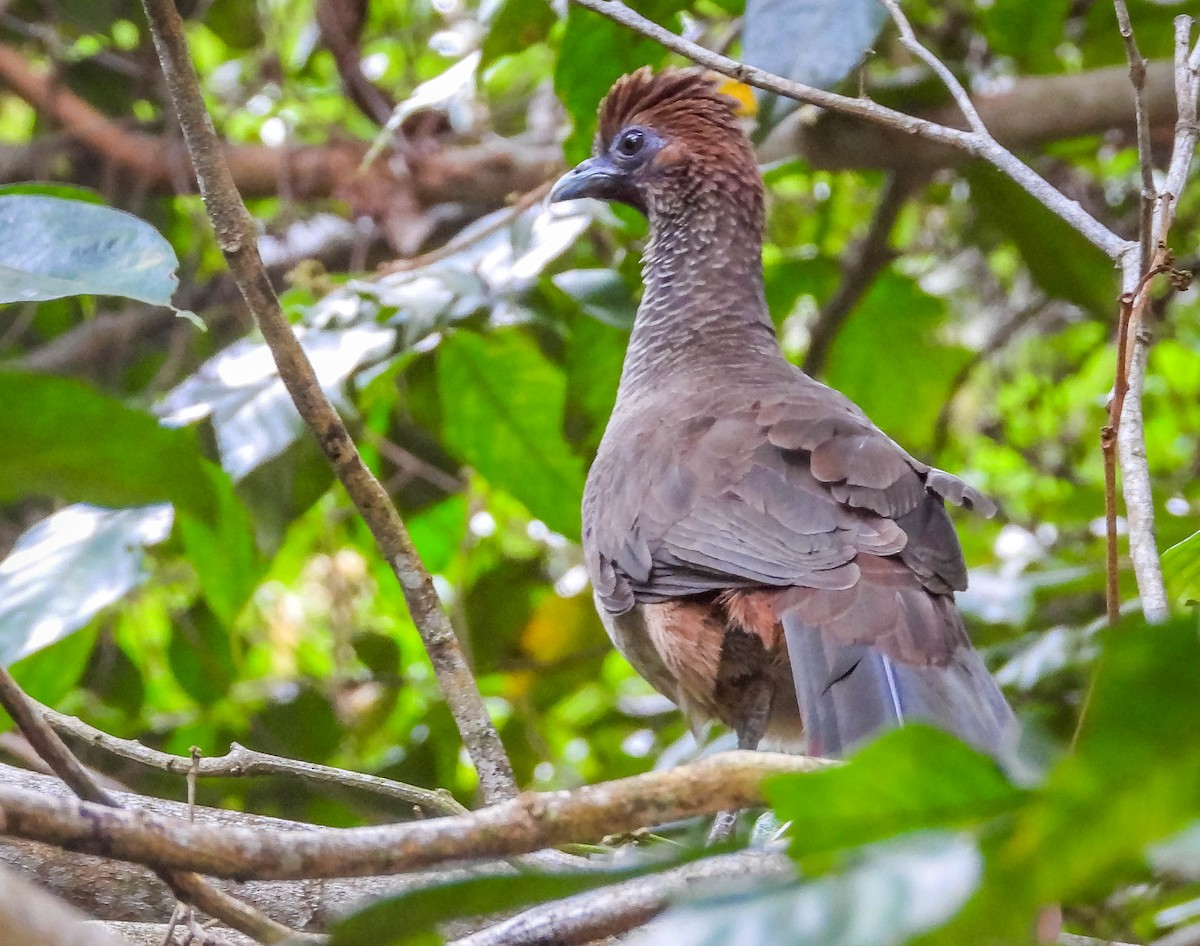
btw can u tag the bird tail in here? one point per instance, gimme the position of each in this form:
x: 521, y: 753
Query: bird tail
x: 850, y: 691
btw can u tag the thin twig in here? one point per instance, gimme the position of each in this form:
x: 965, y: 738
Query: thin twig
x: 530, y: 822
x: 1137, y: 77
x: 187, y: 886
x: 1131, y: 436
x: 240, y: 761
x: 972, y: 142
x: 237, y: 238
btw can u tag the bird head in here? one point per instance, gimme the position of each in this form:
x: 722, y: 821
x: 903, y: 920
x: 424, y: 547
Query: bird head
x: 667, y: 143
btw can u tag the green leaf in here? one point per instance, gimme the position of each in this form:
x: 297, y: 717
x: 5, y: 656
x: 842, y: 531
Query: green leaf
x: 223, y: 551
x: 898, y: 890
x: 63, y: 439
x: 1029, y: 31
x: 595, y: 52
x: 1181, y: 570
x: 502, y: 405
x: 515, y: 26
x: 1063, y: 264
x: 200, y: 653
x: 64, y: 570
x: 909, y: 779
x: 888, y: 360
x: 406, y: 919
x: 54, y: 248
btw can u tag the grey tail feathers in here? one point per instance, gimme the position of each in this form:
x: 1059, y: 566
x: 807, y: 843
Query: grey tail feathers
x: 849, y: 692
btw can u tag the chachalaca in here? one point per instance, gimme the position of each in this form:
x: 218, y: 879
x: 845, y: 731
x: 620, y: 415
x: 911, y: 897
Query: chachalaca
x: 759, y: 550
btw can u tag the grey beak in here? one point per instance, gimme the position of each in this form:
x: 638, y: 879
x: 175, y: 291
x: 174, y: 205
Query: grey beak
x: 594, y: 177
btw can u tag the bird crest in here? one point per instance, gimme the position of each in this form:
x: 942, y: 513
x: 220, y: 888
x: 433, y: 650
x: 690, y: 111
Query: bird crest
x: 674, y: 100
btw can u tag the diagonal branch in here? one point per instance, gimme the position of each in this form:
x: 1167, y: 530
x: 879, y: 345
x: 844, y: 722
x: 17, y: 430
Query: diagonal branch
x: 238, y: 241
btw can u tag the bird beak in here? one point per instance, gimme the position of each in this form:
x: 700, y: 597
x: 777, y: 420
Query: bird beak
x: 595, y: 177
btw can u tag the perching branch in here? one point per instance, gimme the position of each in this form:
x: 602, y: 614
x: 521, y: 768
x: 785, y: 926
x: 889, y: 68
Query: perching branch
x: 189, y: 887
x: 240, y: 761
x: 527, y: 823
x: 238, y: 241
x: 975, y: 143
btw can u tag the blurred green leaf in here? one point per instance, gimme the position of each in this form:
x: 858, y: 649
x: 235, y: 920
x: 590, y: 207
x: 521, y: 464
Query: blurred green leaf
x: 896, y: 891
x: 65, y: 440
x: 909, y: 779
x: 200, y: 653
x: 1029, y: 31
x: 503, y: 414
x: 1063, y: 264
x: 53, y: 248
x: 889, y: 344
x: 595, y: 52
x: 1181, y: 570
x: 515, y: 26
x: 407, y: 919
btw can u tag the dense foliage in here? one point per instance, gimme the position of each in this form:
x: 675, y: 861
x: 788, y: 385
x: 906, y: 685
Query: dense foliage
x: 181, y: 568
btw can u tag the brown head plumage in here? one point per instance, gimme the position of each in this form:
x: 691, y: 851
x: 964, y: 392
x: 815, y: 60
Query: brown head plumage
x: 667, y: 143
x: 685, y: 101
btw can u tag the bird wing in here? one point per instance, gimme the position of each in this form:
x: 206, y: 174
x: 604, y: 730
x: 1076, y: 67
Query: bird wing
x: 800, y: 498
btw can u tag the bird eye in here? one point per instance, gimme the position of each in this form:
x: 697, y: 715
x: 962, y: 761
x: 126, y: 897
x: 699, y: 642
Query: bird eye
x: 631, y: 142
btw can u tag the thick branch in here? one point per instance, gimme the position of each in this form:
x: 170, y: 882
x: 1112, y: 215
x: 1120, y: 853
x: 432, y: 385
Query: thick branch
x: 527, y: 823
x: 113, y: 890
x: 975, y: 143
x: 31, y: 917
x: 238, y: 241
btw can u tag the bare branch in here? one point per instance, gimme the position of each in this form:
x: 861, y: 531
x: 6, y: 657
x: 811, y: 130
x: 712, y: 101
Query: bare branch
x: 971, y: 142
x: 1130, y: 426
x: 1137, y: 76
x: 187, y: 886
x: 240, y: 761
x: 527, y: 823
x: 908, y: 39
x: 238, y: 241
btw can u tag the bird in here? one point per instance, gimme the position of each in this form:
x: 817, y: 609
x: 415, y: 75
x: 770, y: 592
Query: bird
x: 760, y: 552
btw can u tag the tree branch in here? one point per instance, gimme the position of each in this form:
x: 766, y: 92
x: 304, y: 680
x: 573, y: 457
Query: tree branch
x: 113, y: 890
x: 240, y: 761
x: 1128, y: 421
x: 527, y: 823
x: 31, y: 917
x: 189, y: 887
x: 1137, y: 77
x: 238, y: 241
x: 977, y: 144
